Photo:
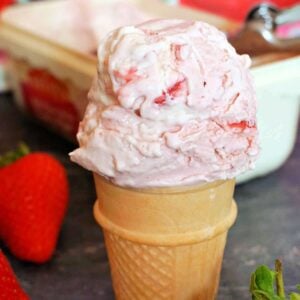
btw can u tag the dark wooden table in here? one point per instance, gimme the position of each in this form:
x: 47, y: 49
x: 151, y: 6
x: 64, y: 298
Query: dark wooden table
x: 268, y: 226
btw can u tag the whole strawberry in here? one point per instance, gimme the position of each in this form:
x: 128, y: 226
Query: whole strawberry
x: 9, y: 286
x: 33, y: 202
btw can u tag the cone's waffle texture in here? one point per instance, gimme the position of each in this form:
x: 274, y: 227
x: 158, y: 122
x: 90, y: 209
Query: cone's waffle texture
x: 165, y: 243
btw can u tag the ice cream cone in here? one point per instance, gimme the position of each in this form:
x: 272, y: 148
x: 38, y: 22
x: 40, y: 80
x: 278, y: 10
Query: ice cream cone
x: 165, y: 243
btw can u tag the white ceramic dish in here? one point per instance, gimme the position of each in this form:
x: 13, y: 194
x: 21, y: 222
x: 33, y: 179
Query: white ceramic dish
x: 278, y: 93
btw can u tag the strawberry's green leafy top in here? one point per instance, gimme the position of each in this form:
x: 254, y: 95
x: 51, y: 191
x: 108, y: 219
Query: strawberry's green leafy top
x: 262, y: 284
x: 11, y: 156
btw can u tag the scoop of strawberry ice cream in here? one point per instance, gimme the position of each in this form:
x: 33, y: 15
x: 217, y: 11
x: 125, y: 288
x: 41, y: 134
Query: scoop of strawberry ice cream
x: 173, y: 104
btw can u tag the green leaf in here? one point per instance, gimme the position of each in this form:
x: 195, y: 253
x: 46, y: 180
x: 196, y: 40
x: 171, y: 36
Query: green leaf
x: 264, y: 279
x: 262, y: 284
x: 294, y: 296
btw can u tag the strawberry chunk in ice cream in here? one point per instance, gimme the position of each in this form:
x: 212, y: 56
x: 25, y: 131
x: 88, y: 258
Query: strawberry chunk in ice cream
x: 173, y: 104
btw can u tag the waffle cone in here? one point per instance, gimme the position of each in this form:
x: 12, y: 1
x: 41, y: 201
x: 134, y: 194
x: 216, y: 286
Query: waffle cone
x: 165, y: 243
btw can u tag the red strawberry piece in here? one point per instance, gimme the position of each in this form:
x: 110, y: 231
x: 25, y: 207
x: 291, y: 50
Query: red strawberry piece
x: 241, y: 125
x: 48, y: 98
x: 128, y: 76
x: 172, y: 92
x: 176, y: 50
x: 176, y: 88
x: 160, y: 99
x: 33, y: 202
x: 10, y: 288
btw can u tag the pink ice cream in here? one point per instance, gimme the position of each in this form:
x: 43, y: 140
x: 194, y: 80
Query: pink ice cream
x: 173, y: 104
